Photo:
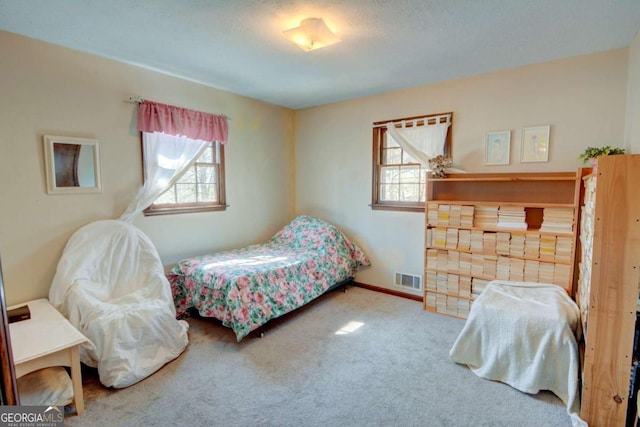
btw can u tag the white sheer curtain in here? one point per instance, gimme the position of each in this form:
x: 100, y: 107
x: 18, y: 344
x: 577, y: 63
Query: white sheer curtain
x: 421, y: 142
x: 166, y: 158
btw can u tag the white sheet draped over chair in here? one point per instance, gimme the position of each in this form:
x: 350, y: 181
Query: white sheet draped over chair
x: 524, y: 334
x: 110, y: 284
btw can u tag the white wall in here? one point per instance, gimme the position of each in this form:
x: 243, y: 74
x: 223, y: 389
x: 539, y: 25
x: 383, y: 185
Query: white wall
x: 632, y: 128
x: 582, y: 98
x: 47, y: 89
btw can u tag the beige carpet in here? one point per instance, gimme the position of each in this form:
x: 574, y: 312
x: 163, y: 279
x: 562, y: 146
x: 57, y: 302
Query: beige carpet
x: 359, y: 358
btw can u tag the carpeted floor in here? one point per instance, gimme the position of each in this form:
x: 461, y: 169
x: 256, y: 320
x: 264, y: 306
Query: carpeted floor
x: 359, y: 358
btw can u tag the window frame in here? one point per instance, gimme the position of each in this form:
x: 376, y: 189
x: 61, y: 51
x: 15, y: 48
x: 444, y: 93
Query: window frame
x: 379, y: 131
x: 181, y: 208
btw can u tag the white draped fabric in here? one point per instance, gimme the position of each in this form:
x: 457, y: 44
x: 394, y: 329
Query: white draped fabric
x: 166, y: 158
x: 421, y: 142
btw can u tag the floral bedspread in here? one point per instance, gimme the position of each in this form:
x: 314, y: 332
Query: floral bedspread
x: 245, y: 288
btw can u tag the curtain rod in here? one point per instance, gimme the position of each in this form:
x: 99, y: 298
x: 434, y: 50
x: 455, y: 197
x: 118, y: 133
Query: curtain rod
x: 138, y: 100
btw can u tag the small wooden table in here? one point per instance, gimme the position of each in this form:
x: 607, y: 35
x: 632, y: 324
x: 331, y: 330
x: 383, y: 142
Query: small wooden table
x: 47, y: 339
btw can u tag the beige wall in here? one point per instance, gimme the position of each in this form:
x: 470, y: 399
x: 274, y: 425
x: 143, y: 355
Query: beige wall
x: 632, y: 128
x: 582, y: 98
x: 46, y: 89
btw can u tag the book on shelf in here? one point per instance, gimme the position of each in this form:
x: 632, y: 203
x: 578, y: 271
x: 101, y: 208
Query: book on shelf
x: 452, y: 238
x: 443, y: 215
x: 547, y: 247
x: 486, y: 216
x: 512, y: 217
x: 455, y: 215
x: 557, y: 220
x: 466, y: 216
x: 516, y: 244
x: 439, y: 237
x: 503, y: 240
x: 477, y: 286
x: 464, y: 240
x: 503, y: 268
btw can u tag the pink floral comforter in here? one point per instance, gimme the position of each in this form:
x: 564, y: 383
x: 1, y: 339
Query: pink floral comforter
x: 247, y: 287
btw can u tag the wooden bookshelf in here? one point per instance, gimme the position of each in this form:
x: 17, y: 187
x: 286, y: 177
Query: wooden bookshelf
x: 608, y: 289
x: 451, y: 286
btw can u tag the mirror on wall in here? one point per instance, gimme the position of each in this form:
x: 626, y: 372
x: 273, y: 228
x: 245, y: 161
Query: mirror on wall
x: 72, y: 165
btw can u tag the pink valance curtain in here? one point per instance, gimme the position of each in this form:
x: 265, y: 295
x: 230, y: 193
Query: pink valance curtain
x: 156, y: 117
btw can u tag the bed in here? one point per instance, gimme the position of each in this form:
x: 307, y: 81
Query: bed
x: 245, y: 288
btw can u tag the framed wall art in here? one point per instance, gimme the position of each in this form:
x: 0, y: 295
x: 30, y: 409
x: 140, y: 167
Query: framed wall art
x: 497, y: 148
x: 535, y: 144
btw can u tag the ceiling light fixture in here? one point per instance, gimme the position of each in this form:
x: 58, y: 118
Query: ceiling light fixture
x: 312, y: 34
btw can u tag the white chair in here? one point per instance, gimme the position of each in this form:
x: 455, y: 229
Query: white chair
x: 110, y: 284
x: 524, y: 334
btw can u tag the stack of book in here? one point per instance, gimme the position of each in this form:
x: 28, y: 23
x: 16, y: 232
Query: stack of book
x: 489, y: 265
x: 489, y: 243
x: 532, y: 245
x: 465, y: 286
x: 465, y: 263
x: 432, y: 259
x: 557, y: 220
x: 432, y: 214
x: 516, y: 269
x: 441, y: 282
x: 561, y: 274
x: 452, y: 238
x: 443, y: 261
x: 441, y: 303
x: 443, y: 215
x: 453, y: 261
x: 464, y: 240
x: 455, y: 214
x: 463, y: 307
x: 476, y: 240
x: 452, y: 306
x: 477, y: 286
x: 531, y: 269
x: 516, y: 245
x: 439, y: 237
x: 486, y: 216
x: 503, y: 268
x: 431, y: 300
x: 545, y: 272
x: 564, y: 246
x: 452, y: 283
x: 466, y: 217
x: 512, y: 217
x: 477, y: 261
x: 431, y: 280
x: 503, y: 240
x: 547, y: 247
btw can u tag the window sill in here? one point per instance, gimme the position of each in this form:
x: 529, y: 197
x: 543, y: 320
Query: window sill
x: 183, y: 210
x: 397, y: 207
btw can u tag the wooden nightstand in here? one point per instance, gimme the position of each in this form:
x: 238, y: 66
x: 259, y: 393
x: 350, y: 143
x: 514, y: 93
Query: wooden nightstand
x: 47, y: 339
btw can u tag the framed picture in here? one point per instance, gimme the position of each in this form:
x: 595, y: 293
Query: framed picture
x: 72, y: 165
x: 497, y: 147
x: 535, y: 144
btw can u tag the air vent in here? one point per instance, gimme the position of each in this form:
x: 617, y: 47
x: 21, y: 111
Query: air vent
x: 410, y: 281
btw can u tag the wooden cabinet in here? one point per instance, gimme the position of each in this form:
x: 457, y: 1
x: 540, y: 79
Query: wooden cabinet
x: 608, y: 287
x: 481, y: 227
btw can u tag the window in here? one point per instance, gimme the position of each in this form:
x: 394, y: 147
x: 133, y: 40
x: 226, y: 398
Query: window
x: 200, y: 188
x: 399, y: 180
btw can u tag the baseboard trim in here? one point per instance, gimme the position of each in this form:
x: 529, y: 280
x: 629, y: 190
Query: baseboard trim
x: 388, y: 291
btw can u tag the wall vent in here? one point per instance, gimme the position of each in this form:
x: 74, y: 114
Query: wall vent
x: 410, y: 281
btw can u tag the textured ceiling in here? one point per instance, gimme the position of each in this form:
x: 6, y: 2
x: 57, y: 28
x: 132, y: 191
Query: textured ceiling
x: 238, y: 46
